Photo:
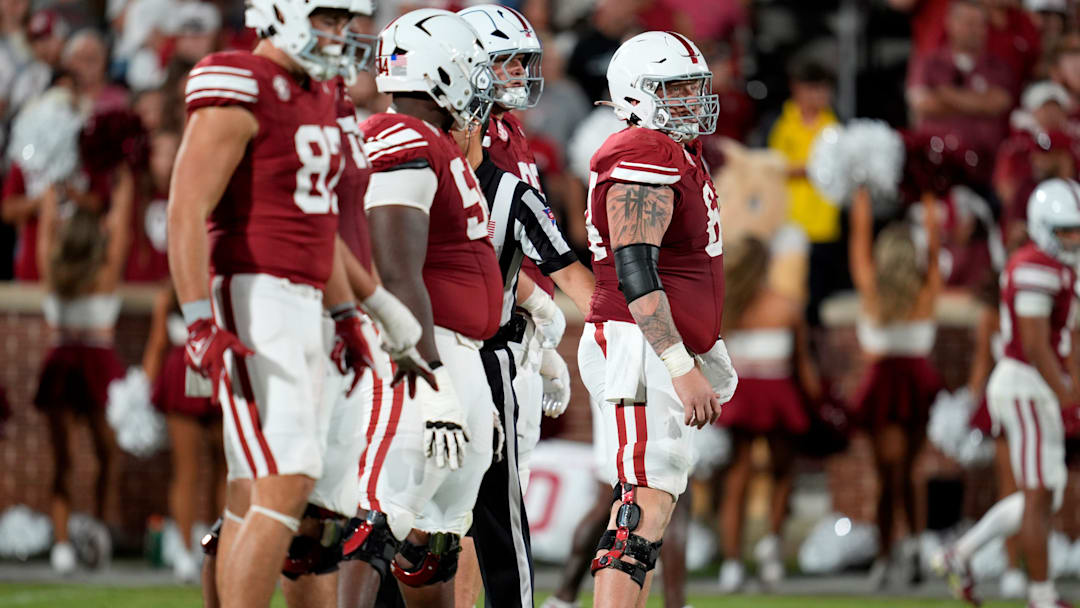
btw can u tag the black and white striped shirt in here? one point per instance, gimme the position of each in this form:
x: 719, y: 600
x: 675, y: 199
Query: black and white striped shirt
x: 520, y: 223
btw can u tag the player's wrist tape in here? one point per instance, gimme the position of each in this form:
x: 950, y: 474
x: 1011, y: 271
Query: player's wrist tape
x: 677, y: 360
x: 636, y: 267
x: 539, y: 304
x: 196, y: 311
x: 378, y: 302
x: 344, y: 311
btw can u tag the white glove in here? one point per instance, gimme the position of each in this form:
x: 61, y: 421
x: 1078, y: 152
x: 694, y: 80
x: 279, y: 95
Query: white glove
x: 547, y: 317
x: 718, y: 370
x: 556, y: 379
x: 445, y: 432
x: 399, y: 330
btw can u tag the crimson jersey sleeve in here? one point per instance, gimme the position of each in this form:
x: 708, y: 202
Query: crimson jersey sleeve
x: 225, y: 79
x: 639, y: 156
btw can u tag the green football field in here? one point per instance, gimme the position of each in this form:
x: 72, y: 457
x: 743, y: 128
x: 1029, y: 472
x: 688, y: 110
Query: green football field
x: 94, y: 596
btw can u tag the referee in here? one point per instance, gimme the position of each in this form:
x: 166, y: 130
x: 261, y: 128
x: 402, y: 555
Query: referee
x: 520, y: 224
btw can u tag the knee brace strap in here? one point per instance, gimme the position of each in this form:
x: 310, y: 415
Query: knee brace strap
x: 316, y: 555
x: 433, y: 563
x: 291, y: 523
x: 621, y: 541
x: 209, y: 540
x: 371, y: 541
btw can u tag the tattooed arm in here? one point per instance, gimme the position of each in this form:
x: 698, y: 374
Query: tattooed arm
x: 640, y: 214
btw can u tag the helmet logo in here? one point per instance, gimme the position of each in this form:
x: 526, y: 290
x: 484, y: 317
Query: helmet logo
x: 281, y: 87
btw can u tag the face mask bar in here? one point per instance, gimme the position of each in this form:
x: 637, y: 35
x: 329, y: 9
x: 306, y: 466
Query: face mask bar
x: 688, y: 116
x: 479, y: 107
x: 347, y: 55
x: 523, y: 91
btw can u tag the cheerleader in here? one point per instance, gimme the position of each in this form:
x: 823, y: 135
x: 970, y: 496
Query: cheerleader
x: 896, y: 331
x: 766, y: 337
x: 194, y: 426
x: 82, y: 257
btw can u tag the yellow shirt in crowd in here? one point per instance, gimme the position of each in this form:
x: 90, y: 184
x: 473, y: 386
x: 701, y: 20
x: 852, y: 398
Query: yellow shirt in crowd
x: 792, y: 138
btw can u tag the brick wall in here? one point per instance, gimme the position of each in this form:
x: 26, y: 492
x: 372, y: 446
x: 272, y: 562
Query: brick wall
x: 140, y: 485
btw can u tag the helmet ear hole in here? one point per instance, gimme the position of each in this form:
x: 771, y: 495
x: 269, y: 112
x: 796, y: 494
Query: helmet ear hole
x: 444, y: 77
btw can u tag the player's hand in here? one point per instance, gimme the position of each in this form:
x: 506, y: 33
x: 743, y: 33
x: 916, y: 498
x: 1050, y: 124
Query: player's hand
x: 700, y: 404
x: 445, y: 431
x: 546, y: 315
x: 206, y: 346
x: 352, y: 331
x: 556, y: 379
x: 719, y: 371
x: 411, y: 367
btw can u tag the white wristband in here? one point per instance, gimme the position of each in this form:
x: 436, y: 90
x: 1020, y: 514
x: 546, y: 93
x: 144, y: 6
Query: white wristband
x: 196, y: 310
x: 377, y: 302
x: 678, y: 361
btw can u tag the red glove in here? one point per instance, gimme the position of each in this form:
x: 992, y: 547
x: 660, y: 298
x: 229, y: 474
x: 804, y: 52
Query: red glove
x: 206, y: 346
x: 351, y: 348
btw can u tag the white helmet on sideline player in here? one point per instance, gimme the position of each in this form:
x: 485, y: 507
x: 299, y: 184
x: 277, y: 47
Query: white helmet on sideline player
x: 1053, y: 206
x: 436, y: 52
x: 508, y: 37
x: 287, y: 24
x: 643, y: 70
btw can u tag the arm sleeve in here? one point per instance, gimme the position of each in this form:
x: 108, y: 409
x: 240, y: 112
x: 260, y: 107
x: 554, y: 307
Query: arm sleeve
x: 540, y: 237
x: 1033, y: 304
x: 411, y: 187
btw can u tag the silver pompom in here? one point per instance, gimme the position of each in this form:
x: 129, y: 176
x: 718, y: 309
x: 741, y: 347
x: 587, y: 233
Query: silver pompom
x: 139, y: 428
x: 45, y: 140
x: 862, y: 153
x: 836, y: 543
x: 24, y: 532
x: 949, y: 429
x: 712, y: 450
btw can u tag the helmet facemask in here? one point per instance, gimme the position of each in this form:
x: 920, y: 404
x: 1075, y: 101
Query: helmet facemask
x: 682, y: 117
x: 346, y: 55
x: 475, y: 111
x: 1065, y: 251
x: 521, y: 85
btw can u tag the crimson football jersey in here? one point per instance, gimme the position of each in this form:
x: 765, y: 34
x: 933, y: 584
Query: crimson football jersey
x: 508, y: 148
x: 461, y: 272
x: 353, y: 227
x: 691, y: 262
x: 1030, y: 269
x: 278, y: 214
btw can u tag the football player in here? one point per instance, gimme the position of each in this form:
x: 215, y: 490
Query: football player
x: 521, y: 227
x: 651, y: 354
x: 253, y: 205
x: 1033, y: 391
x: 427, y: 450
x: 516, y: 53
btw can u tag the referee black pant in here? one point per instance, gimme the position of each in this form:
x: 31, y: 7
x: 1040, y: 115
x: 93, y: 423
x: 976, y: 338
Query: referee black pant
x: 500, y: 529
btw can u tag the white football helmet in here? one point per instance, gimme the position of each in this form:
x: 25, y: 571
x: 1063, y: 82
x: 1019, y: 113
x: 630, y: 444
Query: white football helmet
x: 286, y: 23
x: 1054, y: 205
x: 436, y: 52
x: 508, y: 36
x: 640, y: 74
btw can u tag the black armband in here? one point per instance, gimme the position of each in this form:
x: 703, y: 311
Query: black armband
x: 636, y: 267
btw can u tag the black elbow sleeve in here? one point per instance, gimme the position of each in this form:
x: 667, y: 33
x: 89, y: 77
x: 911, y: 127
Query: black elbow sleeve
x: 636, y: 266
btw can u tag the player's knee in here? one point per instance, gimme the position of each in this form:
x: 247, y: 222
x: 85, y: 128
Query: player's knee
x: 317, y: 549
x: 370, y: 540
x: 631, y: 548
x: 428, y: 564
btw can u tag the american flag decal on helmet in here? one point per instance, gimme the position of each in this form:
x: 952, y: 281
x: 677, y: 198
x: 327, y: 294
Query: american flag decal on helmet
x: 399, y: 65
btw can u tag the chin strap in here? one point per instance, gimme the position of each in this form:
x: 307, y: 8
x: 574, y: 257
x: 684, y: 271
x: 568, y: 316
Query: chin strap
x: 622, y: 542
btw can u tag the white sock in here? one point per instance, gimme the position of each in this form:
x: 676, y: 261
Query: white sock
x: 1042, y: 593
x: 1003, y: 519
